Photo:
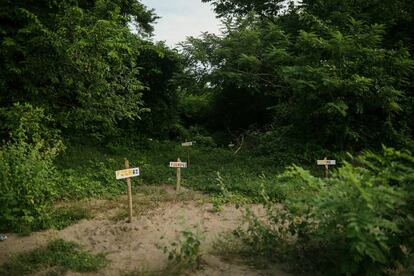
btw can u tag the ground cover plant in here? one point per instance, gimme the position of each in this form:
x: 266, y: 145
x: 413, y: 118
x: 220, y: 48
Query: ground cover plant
x: 239, y: 172
x: 57, y: 258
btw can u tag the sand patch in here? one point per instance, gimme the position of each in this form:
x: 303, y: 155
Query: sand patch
x: 133, y: 246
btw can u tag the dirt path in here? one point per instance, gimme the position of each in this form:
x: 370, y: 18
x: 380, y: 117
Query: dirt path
x: 133, y: 246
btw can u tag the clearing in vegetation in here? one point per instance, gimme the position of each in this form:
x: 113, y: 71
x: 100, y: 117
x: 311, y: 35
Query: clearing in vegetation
x: 181, y: 227
x: 84, y: 88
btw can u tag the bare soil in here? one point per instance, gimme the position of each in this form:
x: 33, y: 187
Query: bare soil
x: 160, y: 216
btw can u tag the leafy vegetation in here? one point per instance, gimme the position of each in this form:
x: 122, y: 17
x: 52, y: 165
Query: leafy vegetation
x: 183, y: 255
x: 57, y: 257
x: 336, y: 86
x: 28, y: 175
x: 356, y: 222
x: 62, y: 217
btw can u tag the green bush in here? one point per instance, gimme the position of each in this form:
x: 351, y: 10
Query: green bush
x: 27, y: 173
x: 359, y: 221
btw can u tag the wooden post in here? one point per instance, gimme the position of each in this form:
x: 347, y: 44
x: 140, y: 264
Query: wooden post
x: 188, y: 157
x: 128, y: 181
x: 178, y: 177
x: 326, y: 168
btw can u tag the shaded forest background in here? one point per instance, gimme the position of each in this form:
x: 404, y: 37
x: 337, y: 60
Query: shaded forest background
x: 329, y: 73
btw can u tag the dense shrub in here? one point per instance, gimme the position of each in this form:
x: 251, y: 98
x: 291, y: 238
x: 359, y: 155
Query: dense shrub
x: 357, y: 222
x: 27, y: 174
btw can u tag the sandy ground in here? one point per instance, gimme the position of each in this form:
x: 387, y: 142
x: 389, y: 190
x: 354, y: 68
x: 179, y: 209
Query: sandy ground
x: 136, y: 246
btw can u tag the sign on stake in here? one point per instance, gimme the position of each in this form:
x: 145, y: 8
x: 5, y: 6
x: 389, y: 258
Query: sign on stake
x: 188, y: 145
x: 127, y: 174
x: 178, y: 165
x: 123, y: 174
x: 325, y: 162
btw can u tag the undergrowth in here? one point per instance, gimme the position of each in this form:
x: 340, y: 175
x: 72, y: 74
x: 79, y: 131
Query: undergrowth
x: 58, y: 257
x: 358, y: 222
x: 85, y: 164
x: 65, y: 216
x: 85, y: 171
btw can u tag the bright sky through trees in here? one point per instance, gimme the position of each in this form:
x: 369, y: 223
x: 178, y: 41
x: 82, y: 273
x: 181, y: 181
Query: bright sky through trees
x: 182, y: 18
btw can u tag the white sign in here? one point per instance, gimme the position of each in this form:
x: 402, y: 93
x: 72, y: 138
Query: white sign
x: 178, y: 164
x: 326, y: 162
x: 188, y: 144
x: 122, y: 174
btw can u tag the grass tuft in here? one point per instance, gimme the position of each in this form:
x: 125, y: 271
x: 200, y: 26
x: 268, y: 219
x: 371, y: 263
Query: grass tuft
x: 57, y: 257
x: 64, y: 217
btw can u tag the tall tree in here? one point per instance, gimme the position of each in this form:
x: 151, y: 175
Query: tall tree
x: 397, y: 16
x: 76, y: 59
x: 266, y: 8
x: 332, y: 85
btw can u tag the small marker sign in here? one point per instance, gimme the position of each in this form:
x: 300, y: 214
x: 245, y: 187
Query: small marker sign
x: 122, y: 174
x: 178, y: 165
x: 325, y: 162
x: 188, y: 144
x: 127, y: 174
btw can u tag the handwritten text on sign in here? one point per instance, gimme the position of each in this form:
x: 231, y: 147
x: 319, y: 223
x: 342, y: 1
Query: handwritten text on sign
x: 122, y: 174
x: 326, y: 162
x: 188, y: 144
x: 178, y: 164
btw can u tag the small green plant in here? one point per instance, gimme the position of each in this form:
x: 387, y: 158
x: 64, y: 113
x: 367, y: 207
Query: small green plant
x: 217, y: 203
x: 225, y: 196
x: 183, y: 254
x: 218, y: 200
x: 60, y: 255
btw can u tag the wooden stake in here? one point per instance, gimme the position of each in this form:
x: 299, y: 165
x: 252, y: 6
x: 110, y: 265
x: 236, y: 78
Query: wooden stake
x: 326, y: 168
x: 128, y: 181
x: 178, y: 177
